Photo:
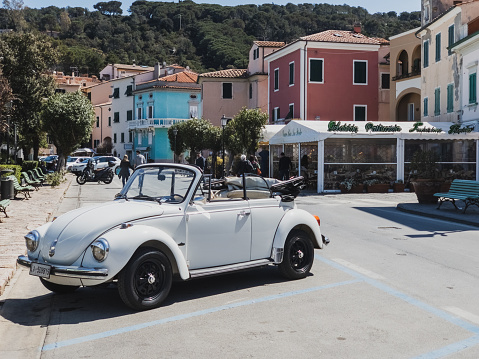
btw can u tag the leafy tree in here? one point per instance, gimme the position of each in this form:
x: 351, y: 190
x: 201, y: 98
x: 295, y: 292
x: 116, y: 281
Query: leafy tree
x: 68, y: 119
x: 15, y: 13
x: 26, y: 59
x: 109, y: 7
x: 6, y: 97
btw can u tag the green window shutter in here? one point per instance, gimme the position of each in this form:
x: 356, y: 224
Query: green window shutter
x: 426, y: 53
x: 437, y: 102
x: 438, y: 47
x: 450, y: 99
x: 426, y: 105
x: 116, y: 92
x: 472, y: 88
x: 450, y: 39
x: 129, y: 90
x: 316, y: 70
x: 116, y: 117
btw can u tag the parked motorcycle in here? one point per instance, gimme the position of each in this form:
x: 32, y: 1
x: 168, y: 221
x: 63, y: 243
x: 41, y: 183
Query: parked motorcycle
x: 89, y: 175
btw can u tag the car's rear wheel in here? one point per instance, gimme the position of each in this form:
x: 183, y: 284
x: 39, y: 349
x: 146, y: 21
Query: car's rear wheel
x: 298, y: 255
x: 58, y: 288
x: 81, y: 179
x: 146, y: 280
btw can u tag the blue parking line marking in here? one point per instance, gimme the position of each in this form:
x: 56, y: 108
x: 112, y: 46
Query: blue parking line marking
x: 439, y: 353
x: 132, y: 328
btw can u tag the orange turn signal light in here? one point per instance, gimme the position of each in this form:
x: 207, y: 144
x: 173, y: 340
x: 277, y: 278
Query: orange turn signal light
x: 318, y: 220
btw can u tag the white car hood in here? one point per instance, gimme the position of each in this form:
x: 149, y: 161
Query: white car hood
x: 76, y: 229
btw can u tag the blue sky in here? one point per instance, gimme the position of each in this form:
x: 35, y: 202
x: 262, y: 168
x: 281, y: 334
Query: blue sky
x: 372, y: 6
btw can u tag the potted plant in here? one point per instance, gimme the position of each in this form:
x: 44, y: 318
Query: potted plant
x: 351, y: 185
x: 375, y: 186
x: 425, y: 176
x: 399, y: 186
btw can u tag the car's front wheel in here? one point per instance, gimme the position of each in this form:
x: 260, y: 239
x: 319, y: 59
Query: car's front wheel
x: 298, y: 256
x: 58, y: 288
x: 146, y: 280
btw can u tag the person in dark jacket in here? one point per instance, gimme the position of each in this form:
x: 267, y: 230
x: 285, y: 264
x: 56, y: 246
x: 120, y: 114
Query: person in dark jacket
x: 285, y: 166
x: 244, y: 166
x: 125, y: 166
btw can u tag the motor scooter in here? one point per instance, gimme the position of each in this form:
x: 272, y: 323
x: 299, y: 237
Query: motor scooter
x: 90, y: 175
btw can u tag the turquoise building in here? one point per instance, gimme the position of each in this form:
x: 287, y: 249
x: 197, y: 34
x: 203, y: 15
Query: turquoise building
x: 159, y: 104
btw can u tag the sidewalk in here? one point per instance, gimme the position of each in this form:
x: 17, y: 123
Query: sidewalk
x: 26, y: 215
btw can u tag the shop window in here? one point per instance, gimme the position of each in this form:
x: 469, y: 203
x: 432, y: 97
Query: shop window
x: 438, y: 47
x: 227, y: 90
x: 316, y: 70
x: 360, y: 113
x: 360, y: 75
x: 450, y: 99
x: 291, y: 73
x: 276, y: 79
x: 426, y: 53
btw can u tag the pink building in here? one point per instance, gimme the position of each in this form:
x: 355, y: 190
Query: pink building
x: 328, y: 76
x: 226, y: 92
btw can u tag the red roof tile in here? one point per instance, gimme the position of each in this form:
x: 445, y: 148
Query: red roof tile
x: 341, y: 36
x: 231, y: 73
x: 269, y: 43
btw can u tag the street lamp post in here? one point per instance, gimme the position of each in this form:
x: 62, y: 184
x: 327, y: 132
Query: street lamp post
x: 175, y: 132
x: 224, y: 121
x: 9, y: 106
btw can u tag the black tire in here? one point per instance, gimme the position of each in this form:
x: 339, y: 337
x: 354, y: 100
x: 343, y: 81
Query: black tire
x: 146, y: 280
x: 58, y: 288
x: 298, y: 256
x: 109, y: 178
x: 81, y: 179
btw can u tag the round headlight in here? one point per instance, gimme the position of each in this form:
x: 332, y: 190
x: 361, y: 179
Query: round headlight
x: 100, y: 249
x: 31, y: 240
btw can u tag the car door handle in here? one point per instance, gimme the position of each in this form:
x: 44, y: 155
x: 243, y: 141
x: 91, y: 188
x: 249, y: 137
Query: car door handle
x: 244, y: 213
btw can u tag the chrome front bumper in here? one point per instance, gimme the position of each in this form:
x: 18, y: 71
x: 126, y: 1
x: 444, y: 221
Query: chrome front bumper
x: 68, y: 271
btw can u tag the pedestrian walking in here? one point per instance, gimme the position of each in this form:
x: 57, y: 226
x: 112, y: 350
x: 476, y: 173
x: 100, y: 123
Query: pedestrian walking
x: 139, y: 159
x: 200, y: 161
x: 244, y: 166
x: 285, y: 166
x: 125, y: 167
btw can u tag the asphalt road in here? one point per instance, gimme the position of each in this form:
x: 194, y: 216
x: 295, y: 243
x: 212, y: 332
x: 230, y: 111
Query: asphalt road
x: 390, y: 285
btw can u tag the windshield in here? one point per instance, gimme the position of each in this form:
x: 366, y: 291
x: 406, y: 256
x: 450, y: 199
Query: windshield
x: 72, y: 159
x: 163, y: 184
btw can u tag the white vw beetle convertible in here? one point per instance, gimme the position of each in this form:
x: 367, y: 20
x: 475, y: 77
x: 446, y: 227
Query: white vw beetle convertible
x: 172, y: 222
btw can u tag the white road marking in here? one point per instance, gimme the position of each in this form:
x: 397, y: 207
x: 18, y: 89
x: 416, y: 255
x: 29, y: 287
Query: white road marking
x: 358, y: 269
x: 463, y: 314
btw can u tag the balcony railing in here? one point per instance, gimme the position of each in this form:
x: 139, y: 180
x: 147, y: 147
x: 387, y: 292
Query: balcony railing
x: 405, y: 76
x: 154, y: 122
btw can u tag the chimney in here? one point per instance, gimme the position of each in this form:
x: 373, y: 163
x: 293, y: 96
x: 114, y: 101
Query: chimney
x: 157, y: 70
x: 357, y: 28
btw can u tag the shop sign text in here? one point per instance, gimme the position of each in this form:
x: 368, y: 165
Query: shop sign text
x: 456, y: 129
x: 337, y: 127
x: 417, y: 128
x: 381, y: 128
x: 292, y: 132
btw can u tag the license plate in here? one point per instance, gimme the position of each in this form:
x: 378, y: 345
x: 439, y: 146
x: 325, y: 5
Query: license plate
x: 40, y: 270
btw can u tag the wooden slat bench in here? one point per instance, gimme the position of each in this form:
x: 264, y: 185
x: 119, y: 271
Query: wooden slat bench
x: 463, y: 190
x: 4, y: 203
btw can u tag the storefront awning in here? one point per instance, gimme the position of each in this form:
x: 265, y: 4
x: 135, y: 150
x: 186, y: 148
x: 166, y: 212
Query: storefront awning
x: 313, y: 131
x: 268, y: 132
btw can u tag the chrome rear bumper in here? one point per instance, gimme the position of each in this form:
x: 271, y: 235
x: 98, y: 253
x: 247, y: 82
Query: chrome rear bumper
x: 68, y: 271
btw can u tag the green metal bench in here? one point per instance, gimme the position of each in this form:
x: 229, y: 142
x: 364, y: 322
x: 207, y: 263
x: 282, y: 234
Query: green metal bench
x: 25, y: 190
x: 4, y: 203
x: 31, y: 181
x: 462, y: 190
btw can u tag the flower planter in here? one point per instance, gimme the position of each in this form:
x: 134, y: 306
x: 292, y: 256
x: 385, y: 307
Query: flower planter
x: 359, y: 188
x: 425, y: 189
x: 379, y: 188
x: 399, y: 187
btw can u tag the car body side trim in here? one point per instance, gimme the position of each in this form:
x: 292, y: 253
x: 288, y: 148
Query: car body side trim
x: 195, y: 273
